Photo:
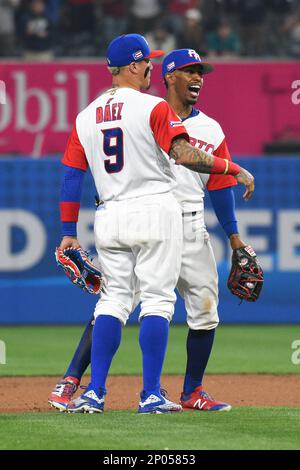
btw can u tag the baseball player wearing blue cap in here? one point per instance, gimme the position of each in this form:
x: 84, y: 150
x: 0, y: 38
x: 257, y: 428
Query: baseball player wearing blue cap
x: 183, y: 72
x: 181, y: 58
x: 129, y: 48
x: 113, y: 309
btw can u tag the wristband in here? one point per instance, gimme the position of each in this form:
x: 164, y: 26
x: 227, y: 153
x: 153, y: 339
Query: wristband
x: 222, y: 166
x: 233, y: 168
x: 219, y: 166
x: 68, y: 229
x: 69, y: 211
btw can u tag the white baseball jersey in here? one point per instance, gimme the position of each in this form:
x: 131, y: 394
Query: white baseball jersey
x: 205, y: 133
x: 198, y: 279
x: 124, y: 136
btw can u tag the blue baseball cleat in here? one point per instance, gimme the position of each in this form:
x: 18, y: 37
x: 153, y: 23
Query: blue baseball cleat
x: 157, y: 403
x: 88, y: 402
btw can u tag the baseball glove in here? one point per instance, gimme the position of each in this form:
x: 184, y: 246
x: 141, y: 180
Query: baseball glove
x: 246, y: 276
x: 80, y: 270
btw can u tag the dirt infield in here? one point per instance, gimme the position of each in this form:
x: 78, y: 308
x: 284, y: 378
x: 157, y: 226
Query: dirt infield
x: 23, y: 394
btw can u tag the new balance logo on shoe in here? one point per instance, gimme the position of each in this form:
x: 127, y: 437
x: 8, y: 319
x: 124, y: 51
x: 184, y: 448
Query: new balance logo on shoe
x: 197, y: 404
x: 200, y: 400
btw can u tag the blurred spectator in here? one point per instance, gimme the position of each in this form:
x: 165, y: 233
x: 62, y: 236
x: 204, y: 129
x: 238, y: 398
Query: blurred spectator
x: 252, y: 11
x: 77, y: 27
x: 7, y: 27
x: 81, y: 15
x: 85, y: 27
x: 144, y: 14
x: 214, y: 10
x: 280, y: 6
x: 160, y: 38
x: 53, y: 10
x: 192, y: 36
x: 36, y: 31
x: 292, y: 29
x: 252, y: 16
x: 176, y: 12
x: 224, y: 41
x: 274, y: 40
x: 114, y: 19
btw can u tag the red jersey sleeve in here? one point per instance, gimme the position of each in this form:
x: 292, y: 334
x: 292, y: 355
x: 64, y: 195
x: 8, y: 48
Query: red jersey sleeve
x: 166, y: 125
x: 221, y: 181
x: 74, y: 155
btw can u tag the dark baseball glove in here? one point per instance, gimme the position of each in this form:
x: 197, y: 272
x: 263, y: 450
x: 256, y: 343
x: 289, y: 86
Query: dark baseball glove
x: 246, y: 276
x: 80, y: 270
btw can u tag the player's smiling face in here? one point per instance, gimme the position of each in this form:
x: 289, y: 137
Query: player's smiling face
x: 188, y: 83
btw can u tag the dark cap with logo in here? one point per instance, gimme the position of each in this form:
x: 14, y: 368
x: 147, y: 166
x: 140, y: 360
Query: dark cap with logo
x: 129, y: 48
x: 182, y: 58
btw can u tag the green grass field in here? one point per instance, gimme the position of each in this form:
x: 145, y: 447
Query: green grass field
x: 247, y: 428
x: 238, y: 349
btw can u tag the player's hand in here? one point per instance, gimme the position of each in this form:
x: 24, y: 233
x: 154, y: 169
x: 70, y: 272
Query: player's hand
x: 69, y: 242
x: 236, y: 242
x: 245, y: 178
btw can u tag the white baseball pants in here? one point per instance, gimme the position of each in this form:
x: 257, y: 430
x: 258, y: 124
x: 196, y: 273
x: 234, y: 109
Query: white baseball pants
x: 198, y: 278
x: 139, y: 242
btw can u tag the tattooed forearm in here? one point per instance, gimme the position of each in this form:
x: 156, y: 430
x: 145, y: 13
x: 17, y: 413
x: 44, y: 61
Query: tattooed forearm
x: 198, y: 168
x: 194, y: 159
x: 202, y: 162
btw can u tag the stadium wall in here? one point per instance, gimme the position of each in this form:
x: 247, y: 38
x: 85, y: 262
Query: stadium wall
x: 256, y: 102
x: 34, y: 290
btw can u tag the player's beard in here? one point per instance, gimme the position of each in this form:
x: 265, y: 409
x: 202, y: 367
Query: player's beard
x: 191, y: 102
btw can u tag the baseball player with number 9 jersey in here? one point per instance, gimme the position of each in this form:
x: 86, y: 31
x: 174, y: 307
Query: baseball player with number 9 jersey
x: 125, y: 138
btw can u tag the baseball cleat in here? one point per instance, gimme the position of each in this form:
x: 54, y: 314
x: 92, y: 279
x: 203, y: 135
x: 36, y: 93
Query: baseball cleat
x: 88, y: 402
x: 63, y: 392
x: 201, y: 401
x: 157, y: 404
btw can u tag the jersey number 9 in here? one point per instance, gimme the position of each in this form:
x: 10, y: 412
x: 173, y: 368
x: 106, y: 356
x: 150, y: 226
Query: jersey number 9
x: 113, y: 147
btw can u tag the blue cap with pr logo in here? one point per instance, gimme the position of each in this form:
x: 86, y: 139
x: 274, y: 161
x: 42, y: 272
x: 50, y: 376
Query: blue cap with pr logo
x: 182, y: 58
x: 129, y: 48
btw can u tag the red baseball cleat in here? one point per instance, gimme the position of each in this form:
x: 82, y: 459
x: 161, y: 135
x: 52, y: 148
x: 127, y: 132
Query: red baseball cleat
x: 63, y: 392
x: 201, y: 401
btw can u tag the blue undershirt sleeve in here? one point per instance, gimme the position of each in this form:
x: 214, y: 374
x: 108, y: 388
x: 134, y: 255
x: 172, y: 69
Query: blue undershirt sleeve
x: 71, y: 189
x: 223, y: 202
x: 71, y: 184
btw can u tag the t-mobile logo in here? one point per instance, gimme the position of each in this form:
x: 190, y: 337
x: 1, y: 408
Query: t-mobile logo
x: 296, y: 94
x: 194, y: 54
x: 2, y: 92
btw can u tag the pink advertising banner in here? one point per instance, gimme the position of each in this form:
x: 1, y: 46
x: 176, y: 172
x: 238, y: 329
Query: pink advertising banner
x: 255, y: 103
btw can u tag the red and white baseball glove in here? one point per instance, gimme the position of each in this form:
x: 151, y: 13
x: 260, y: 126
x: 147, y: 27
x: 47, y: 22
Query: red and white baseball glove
x: 79, y: 269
